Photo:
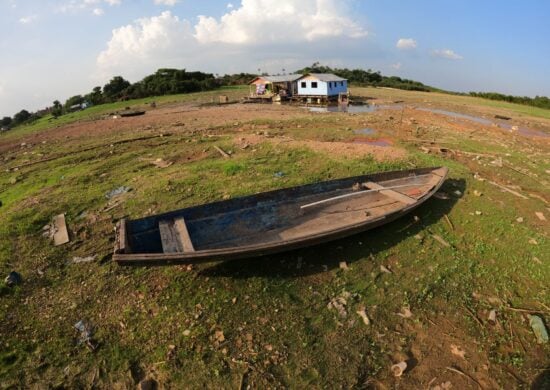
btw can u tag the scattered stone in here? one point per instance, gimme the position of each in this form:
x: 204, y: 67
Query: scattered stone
x: 363, y: 314
x: 477, y: 193
x: 219, y: 336
x: 478, y: 212
x: 533, y: 241
x: 537, y: 324
x: 537, y: 260
x: 443, y: 386
x: 13, y: 279
x: 343, y: 265
x: 385, y: 269
x: 458, y: 351
x: 540, y: 216
x: 519, y: 219
x: 186, y: 332
x: 399, y: 368
x: 234, y: 300
x: 279, y: 174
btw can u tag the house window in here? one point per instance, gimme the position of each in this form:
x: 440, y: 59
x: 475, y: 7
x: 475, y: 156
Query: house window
x: 341, y: 83
x: 314, y: 84
x: 303, y: 84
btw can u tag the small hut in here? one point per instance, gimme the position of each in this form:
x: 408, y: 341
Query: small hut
x: 274, y: 87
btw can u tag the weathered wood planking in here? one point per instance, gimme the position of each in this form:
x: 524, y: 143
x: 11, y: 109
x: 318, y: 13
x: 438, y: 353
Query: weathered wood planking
x: 121, y: 245
x: 391, y: 193
x: 183, y: 233
x: 169, y: 237
x: 61, y: 235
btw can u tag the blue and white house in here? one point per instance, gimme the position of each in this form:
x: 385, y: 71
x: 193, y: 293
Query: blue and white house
x: 321, y: 85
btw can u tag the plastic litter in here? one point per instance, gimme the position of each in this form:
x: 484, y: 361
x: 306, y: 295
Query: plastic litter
x: 86, y: 334
x: 13, y: 279
x: 117, y: 191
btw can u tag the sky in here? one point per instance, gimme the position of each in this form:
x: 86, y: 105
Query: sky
x: 54, y: 49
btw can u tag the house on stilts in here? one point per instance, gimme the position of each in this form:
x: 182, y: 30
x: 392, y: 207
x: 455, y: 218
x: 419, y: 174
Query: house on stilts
x: 321, y: 88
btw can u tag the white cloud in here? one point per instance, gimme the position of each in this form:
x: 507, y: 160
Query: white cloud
x: 230, y: 5
x: 447, y: 53
x: 79, y: 5
x: 113, y: 2
x: 169, y: 3
x: 287, y: 20
x: 27, y: 19
x: 406, y: 44
x: 396, y: 66
x: 98, y: 12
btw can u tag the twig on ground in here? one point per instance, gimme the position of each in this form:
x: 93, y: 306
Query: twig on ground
x: 464, y: 375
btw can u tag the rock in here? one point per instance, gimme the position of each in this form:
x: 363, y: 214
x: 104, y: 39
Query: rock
x: 405, y: 313
x: 186, y: 332
x: 492, y: 319
x: 13, y: 279
x: 477, y: 193
x: 385, y: 269
x: 478, y: 212
x: 540, y: 216
x: 519, y: 219
x: 457, y: 351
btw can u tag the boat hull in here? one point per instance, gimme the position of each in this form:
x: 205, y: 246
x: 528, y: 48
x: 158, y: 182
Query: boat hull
x: 311, y: 214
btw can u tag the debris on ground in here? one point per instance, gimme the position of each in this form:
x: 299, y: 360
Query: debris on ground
x: 532, y: 241
x: 363, y: 314
x: 441, y: 195
x: 441, y: 240
x: 278, y: 174
x: 492, y: 318
x: 160, y: 163
x: 85, y: 334
x: 405, y: 313
x: 221, y: 151
x: 218, y: 337
x: 57, y: 230
x: 478, y: 212
x: 478, y: 193
x: 13, y: 279
x: 339, y: 304
x: 458, y: 351
x: 540, y: 216
x: 87, y: 259
x: 508, y: 190
x: 343, y: 265
x: 117, y: 191
x: 385, y: 269
x: 519, y: 219
x: 537, y: 324
x: 443, y: 386
x: 399, y: 368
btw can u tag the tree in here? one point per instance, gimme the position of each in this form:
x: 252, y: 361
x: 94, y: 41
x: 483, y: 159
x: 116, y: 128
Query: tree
x: 95, y: 97
x: 57, y: 109
x: 6, y: 121
x: 20, y: 117
x: 114, y: 88
x: 73, y: 100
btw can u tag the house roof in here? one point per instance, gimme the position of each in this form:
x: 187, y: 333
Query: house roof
x: 325, y: 77
x: 279, y: 79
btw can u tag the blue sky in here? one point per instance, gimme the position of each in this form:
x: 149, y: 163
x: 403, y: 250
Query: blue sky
x: 52, y: 49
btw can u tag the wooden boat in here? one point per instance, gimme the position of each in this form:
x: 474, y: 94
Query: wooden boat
x: 128, y: 113
x: 275, y: 221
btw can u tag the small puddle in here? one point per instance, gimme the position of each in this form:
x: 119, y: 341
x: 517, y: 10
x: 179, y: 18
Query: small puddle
x: 343, y: 108
x: 365, y: 131
x: 370, y: 141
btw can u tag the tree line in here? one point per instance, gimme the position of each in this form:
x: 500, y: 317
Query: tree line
x: 537, y: 101
x: 162, y: 82
x: 368, y: 77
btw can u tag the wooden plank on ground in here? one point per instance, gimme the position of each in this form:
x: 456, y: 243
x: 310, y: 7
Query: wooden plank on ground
x: 185, y: 239
x: 169, y: 237
x: 121, y: 244
x: 391, y: 193
x: 61, y: 235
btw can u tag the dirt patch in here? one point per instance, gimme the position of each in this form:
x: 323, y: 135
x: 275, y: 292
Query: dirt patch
x: 336, y: 149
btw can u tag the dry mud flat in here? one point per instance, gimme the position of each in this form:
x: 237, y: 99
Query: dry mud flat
x: 427, y: 284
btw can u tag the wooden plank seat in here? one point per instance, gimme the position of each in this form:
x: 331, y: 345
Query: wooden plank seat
x: 175, y: 236
x: 391, y: 193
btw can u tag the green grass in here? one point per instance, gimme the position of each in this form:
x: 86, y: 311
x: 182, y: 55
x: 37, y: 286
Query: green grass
x: 161, y: 322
